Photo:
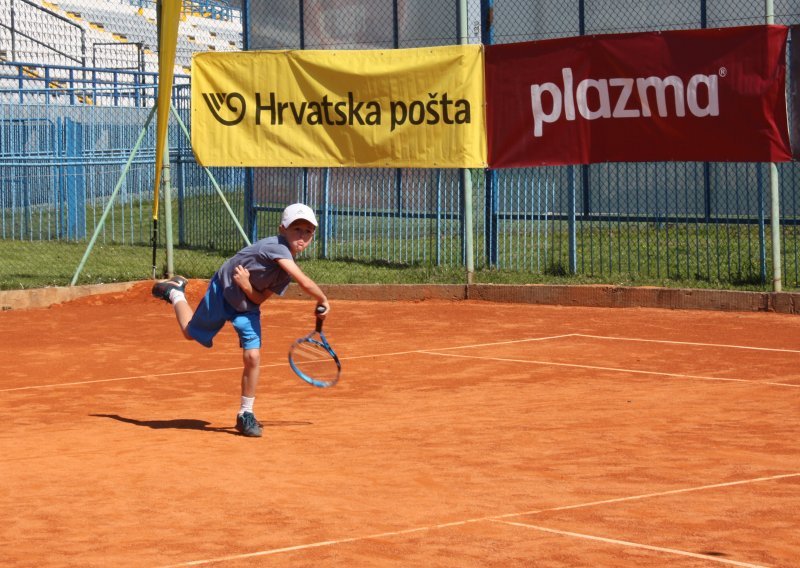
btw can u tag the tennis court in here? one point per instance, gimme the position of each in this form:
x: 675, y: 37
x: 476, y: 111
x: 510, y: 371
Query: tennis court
x: 462, y: 433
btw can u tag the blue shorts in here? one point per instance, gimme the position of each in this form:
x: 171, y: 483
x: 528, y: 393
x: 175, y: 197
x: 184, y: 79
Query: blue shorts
x: 212, y: 313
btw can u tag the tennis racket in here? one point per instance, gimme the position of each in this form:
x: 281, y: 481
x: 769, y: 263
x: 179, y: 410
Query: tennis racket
x: 313, y: 359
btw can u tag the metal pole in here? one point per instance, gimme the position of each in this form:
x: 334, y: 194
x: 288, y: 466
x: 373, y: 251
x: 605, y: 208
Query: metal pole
x: 166, y: 181
x: 326, y: 212
x: 14, y: 33
x: 774, y: 192
x: 571, y: 221
x: 466, y: 177
x: 490, y: 182
x: 775, y: 225
x: 251, y: 221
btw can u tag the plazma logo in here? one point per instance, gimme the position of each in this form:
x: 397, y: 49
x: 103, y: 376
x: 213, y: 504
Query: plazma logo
x: 234, y: 102
x: 625, y: 97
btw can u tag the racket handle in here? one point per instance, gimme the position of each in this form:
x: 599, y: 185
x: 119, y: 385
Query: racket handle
x: 319, y: 311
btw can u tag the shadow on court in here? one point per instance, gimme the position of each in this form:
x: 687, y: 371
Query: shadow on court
x: 192, y: 424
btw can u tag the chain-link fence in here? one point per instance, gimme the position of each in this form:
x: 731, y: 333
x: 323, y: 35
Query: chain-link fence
x: 74, y: 100
x: 698, y: 221
x: 111, y: 34
x: 684, y: 221
x: 78, y: 80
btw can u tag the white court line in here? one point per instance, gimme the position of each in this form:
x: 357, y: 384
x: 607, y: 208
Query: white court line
x: 496, y: 518
x: 546, y: 338
x: 650, y: 495
x: 470, y: 346
x: 281, y: 364
x: 192, y: 372
x: 131, y: 378
x: 429, y: 352
x: 314, y: 545
x: 134, y: 377
x: 632, y: 544
x: 614, y: 369
x: 612, y: 338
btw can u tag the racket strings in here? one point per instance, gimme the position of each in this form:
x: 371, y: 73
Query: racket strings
x: 309, y: 352
x: 313, y: 360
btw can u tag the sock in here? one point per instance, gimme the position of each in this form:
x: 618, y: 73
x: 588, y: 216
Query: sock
x: 247, y: 405
x: 176, y: 296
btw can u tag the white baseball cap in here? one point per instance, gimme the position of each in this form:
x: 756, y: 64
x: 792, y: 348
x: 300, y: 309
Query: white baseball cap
x: 297, y: 211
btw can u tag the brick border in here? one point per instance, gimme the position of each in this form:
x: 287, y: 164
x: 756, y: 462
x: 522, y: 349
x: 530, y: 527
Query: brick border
x: 643, y: 297
x: 43, y: 297
x: 589, y: 296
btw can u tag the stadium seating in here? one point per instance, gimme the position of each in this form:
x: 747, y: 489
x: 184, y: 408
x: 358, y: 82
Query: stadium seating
x: 111, y: 34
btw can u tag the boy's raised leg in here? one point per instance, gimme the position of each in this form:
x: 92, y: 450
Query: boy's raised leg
x: 173, y: 291
x: 163, y: 289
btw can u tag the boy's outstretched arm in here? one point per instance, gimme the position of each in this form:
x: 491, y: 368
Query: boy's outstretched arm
x: 307, y: 284
x: 242, y: 278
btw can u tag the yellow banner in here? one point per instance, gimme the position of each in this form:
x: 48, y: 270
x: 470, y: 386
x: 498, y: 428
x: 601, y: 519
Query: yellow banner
x: 421, y: 108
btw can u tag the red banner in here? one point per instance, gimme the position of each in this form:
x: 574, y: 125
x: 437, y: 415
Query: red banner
x: 691, y: 95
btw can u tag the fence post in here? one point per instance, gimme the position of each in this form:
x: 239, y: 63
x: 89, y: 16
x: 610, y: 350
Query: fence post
x: 466, y: 175
x: 181, y: 185
x: 250, y: 220
x: 762, y: 237
x: 75, y: 181
x: 775, y: 224
x: 326, y: 211
x: 585, y: 178
x: 13, y: 31
x: 491, y: 228
x: 571, y: 214
x: 490, y: 176
x: 438, y: 229
x: 166, y: 182
x: 774, y: 191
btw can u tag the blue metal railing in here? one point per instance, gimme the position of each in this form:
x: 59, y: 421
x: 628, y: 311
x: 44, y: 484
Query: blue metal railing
x: 63, y: 84
x: 62, y: 150
x: 214, y: 9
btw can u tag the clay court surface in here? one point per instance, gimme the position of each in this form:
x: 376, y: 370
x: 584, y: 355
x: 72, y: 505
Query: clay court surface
x: 462, y: 434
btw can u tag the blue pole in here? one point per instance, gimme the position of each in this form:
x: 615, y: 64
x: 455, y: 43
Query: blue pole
x: 75, y: 181
x: 326, y: 212
x: 571, y: 225
x: 490, y: 176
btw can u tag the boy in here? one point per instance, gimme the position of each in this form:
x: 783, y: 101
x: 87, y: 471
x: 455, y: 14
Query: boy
x: 236, y: 292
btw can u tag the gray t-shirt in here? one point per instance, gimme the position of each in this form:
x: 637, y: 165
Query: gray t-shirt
x: 265, y: 273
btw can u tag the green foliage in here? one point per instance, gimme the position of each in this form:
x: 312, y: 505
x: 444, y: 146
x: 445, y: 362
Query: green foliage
x: 388, y: 250
x: 37, y: 264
